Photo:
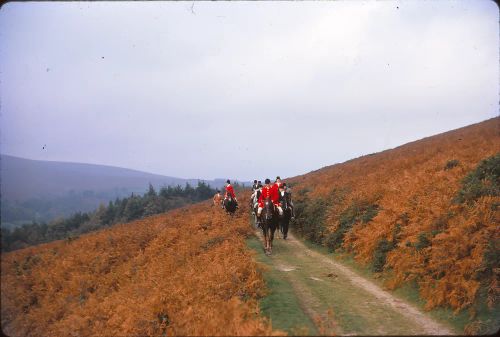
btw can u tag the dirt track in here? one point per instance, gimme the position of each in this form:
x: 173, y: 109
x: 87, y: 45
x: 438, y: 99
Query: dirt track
x: 359, y: 306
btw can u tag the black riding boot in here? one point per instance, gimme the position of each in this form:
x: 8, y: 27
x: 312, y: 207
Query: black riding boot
x: 257, y: 221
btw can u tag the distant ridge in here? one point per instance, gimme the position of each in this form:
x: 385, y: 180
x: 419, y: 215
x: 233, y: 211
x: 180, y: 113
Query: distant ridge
x: 37, y: 190
x: 22, y: 179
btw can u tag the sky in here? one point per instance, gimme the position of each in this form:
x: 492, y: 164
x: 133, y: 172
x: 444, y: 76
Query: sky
x: 246, y: 90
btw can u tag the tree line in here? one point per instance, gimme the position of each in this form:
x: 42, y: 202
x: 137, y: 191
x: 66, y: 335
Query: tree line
x: 119, y: 211
x: 47, y: 208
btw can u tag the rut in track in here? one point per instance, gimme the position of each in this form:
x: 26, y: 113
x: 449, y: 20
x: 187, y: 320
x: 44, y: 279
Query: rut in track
x: 359, y: 306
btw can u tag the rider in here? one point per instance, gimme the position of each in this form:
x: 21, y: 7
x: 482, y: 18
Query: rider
x: 277, y: 185
x: 255, y: 195
x: 254, y: 198
x: 285, y: 191
x: 278, y: 182
x: 255, y: 185
x: 217, y: 198
x: 230, y: 192
x: 271, y: 192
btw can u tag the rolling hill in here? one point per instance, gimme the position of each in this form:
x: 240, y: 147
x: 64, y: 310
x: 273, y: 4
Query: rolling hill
x: 24, y: 179
x: 35, y: 190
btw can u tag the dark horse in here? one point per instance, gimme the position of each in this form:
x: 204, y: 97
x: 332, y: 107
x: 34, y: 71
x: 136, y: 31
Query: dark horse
x: 284, y: 221
x: 229, y: 205
x: 268, y: 222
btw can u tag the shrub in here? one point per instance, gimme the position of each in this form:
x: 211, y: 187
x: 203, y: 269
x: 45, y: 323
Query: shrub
x: 380, y: 254
x: 489, y: 270
x: 303, y: 191
x: 212, y: 242
x: 484, y: 180
x: 423, y: 241
x: 357, y: 211
x: 369, y: 213
x: 311, y: 218
x: 451, y: 164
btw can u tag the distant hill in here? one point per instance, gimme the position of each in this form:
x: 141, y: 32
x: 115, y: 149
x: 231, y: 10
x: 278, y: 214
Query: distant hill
x: 41, y: 190
x: 24, y: 179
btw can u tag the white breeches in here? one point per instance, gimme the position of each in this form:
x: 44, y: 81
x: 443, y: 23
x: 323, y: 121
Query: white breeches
x: 280, y: 210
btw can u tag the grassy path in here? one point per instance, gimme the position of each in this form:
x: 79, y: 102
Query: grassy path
x: 328, y: 298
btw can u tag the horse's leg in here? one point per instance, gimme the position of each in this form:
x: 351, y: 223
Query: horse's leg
x: 286, y: 223
x: 271, y: 239
x: 276, y: 227
x: 264, y: 230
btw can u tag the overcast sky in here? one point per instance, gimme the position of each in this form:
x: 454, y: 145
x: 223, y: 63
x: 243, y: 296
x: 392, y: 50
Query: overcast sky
x: 239, y: 89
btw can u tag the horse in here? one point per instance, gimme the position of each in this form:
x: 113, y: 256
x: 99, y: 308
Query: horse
x: 229, y: 204
x: 268, y: 222
x: 251, y: 202
x: 284, y: 220
x: 254, y: 205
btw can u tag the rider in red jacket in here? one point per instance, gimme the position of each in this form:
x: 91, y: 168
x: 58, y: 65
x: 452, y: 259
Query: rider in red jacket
x: 230, y: 191
x: 278, y: 183
x: 271, y: 192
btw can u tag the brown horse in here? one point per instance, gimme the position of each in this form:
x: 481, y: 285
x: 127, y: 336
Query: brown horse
x: 268, y: 222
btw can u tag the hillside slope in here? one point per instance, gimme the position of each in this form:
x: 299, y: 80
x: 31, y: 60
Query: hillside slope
x: 410, y: 213
x: 185, y: 272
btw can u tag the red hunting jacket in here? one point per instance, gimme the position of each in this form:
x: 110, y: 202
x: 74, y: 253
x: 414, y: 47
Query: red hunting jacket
x: 271, y: 192
x: 230, y: 191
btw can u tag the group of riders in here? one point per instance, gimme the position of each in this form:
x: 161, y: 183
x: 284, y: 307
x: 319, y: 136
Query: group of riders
x: 278, y: 192
x: 271, y: 205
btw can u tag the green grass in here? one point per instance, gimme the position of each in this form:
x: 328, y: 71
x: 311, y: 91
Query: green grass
x: 281, y: 305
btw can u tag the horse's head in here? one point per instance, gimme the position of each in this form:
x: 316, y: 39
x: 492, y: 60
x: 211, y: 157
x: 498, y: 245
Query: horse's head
x: 268, y: 209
